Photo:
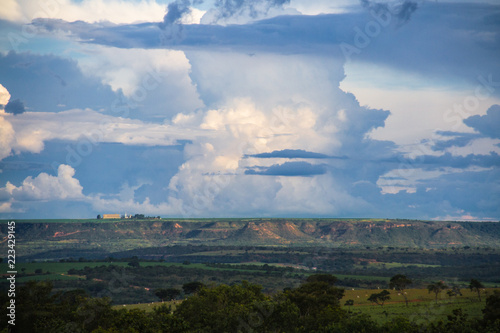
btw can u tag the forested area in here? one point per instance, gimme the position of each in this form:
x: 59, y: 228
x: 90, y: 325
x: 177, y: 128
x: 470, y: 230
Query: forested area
x: 313, y: 306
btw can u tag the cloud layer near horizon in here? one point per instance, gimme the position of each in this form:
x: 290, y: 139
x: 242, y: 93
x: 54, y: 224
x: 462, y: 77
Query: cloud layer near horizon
x: 244, y: 115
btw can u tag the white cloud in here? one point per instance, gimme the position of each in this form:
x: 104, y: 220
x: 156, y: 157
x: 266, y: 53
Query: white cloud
x: 193, y: 17
x: 315, y: 7
x: 481, y: 146
x: 88, y: 127
x: 319, y: 195
x: 4, y: 96
x: 6, y: 207
x: 129, y: 69
x: 461, y: 215
x: 242, y: 128
x: 284, y: 102
x: 419, y: 108
x: 116, y: 11
x: 7, y: 134
x: 157, y: 80
x: 408, y: 179
x: 281, y: 92
x: 47, y: 187
x: 7, y: 137
x: 212, y: 178
x: 10, y: 10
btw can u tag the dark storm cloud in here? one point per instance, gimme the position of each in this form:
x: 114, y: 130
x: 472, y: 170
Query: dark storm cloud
x: 486, y: 126
x: 489, y: 124
x: 464, y: 48
x: 171, y: 25
x: 175, y: 10
x: 15, y: 106
x: 457, y: 139
x: 291, y: 153
x: 402, y: 10
x: 459, y: 162
x: 284, y: 34
x: 256, y: 8
x: 303, y: 169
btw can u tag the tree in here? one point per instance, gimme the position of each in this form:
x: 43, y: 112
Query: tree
x: 327, y: 278
x: 349, y: 303
x: 192, y: 287
x: 169, y: 293
x: 436, y: 288
x: 454, y: 291
x: 161, y: 293
x: 491, y: 312
x: 400, y: 282
x: 475, y: 285
x: 99, y: 216
x: 315, y: 294
x: 318, y: 302
x: 223, y: 308
x: 380, y: 298
x: 134, y: 262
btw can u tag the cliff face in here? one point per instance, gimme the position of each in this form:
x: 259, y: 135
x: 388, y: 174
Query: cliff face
x: 35, y: 237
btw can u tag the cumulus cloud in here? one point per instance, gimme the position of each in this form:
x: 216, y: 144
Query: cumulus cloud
x: 63, y: 186
x: 4, y: 97
x: 298, y: 107
x: 116, y: 11
x: 7, y: 137
x: 263, y: 92
x: 156, y: 83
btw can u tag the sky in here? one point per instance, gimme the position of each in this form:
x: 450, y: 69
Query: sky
x: 239, y: 108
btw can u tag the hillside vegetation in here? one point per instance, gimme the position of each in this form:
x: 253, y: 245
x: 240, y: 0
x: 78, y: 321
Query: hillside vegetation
x: 120, y: 235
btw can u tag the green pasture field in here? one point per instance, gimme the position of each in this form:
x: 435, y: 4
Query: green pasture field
x: 148, y: 307
x: 422, y: 306
x: 59, y: 270
x: 56, y: 267
x: 363, y: 277
x: 396, y: 265
x: 195, y: 265
x: 242, y: 252
x: 280, y: 265
x: 50, y: 277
